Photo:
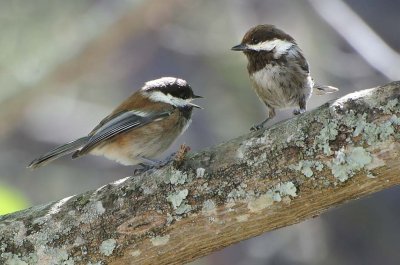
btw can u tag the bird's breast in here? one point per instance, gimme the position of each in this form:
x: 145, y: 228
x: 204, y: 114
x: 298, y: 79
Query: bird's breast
x: 280, y: 86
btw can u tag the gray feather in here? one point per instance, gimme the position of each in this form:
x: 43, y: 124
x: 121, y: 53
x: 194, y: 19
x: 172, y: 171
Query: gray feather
x: 121, y: 123
x: 58, y: 152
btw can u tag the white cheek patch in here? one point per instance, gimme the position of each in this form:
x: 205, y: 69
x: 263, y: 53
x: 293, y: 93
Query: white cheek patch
x: 157, y: 96
x: 280, y: 46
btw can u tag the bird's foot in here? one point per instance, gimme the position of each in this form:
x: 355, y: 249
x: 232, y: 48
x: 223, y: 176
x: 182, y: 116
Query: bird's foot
x: 152, y: 163
x: 256, y: 127
x: 259, y: 126
x: 149, y: 164
x: 299, y: 111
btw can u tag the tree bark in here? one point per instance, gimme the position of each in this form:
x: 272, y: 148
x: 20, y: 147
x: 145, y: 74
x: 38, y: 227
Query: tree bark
x: 202, y: 202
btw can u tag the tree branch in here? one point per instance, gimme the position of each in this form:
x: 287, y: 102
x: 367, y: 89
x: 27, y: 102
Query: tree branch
x: 239, y: 189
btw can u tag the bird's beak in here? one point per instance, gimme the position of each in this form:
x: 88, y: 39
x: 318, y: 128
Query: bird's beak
x: 194, y: 105
x: 240, y: 47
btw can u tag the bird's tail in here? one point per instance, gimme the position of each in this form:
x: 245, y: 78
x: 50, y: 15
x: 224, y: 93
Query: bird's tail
x: 322, y: 89
x: 58, y: 152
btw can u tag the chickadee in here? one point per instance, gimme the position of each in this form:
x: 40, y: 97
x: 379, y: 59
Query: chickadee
x: 278, y: 71
x: 142, y: 127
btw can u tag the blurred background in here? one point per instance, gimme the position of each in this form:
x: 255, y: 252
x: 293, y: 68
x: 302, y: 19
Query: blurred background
x: 64, y: 65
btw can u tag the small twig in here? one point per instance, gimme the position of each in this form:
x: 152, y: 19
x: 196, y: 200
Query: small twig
x: 180, y: 155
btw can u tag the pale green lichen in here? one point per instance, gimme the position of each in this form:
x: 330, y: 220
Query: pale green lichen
x: 372, y: 133
x: 328, y: 133
x: 275, y: 194
x: 200, y: 172
x: 12, y: 259
x: 177, y: 177
x: 236, y: 194
x: 79, y: 241
x: 395, y: 120
x: 386, y: 129
x: 149, y: 189
x: 177, y: 198
x: 346, y: 164
x: 107, y: 246
x: 390, y: 107
x: 209, y: 207
x: 92, y: 211
x: 282, y: 190
x: 183, y: 208
x: 297, y: 138
x: 318, y: 166
x: 159, y: 240
x: 305, y: 167
x: 19, y: 232
x: 286, y: 188
x: 46, y: 234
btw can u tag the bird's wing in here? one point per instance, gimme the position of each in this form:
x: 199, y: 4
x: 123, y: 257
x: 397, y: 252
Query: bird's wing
x: 319, y: 89
x: 302, y: 62
x: 119, y: 123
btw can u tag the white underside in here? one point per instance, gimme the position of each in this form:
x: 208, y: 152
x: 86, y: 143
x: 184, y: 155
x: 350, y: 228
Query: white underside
x: 277, y: 90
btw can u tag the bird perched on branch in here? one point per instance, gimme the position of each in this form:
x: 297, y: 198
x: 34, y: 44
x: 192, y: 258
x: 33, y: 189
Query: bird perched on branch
x: 278, y: 70
x: 142, y: 127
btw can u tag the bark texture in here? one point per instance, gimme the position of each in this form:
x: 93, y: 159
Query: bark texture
x: 258, y: 182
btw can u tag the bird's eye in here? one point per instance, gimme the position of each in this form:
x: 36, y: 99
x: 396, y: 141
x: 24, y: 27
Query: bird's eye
x: 254, y: 40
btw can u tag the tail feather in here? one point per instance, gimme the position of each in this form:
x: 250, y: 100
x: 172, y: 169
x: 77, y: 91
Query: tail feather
x: 58, y: 152
x: 322, y: 89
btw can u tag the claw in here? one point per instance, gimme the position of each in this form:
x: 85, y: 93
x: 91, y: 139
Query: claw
x: 152, y: 164
x: 256, y: 127
x: 298, y: 111
x: 259, y: 126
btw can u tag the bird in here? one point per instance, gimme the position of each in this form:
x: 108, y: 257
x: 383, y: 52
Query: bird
x: 139, y: 129
x: 278, y: 71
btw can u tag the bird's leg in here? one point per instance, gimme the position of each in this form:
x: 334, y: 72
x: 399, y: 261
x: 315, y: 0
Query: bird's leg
x: 257, y: 127
x: 302, y: 106
x: 271, y: 114
x: 146, y: 165
x: 143, y: 167
x: 147, y: 162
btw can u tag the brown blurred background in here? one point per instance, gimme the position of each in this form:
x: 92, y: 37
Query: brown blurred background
x: 64, y: 65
